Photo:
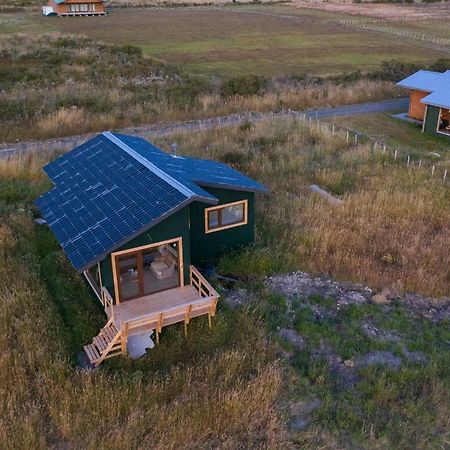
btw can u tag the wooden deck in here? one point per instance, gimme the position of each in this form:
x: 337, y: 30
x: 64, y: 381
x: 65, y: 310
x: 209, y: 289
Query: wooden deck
x: 151, y: 312
x: 150, y: 307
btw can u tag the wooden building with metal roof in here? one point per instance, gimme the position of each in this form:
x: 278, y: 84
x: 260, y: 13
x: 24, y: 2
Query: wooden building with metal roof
x: 135, y: 220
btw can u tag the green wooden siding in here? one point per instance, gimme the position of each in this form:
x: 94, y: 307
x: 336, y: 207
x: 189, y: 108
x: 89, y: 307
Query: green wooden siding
x: 174, y: 226
x: 189, y: 224
x: 207, y: 246
x: 431, y: 119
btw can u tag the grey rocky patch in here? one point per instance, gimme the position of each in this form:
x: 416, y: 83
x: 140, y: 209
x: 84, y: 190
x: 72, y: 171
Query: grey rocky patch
x: 379, y: 335
x: 303, y: 285
x: 345, y: 375
x: 300, y: 414
x: 416, y: 357
x: 426, y: 307
x: 237, y: 298
x: 382, y: 358
x: 291, y: 336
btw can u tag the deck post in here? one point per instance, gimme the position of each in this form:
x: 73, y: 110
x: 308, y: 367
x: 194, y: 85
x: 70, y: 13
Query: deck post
x: 187, y: 319
x: 124, y: 338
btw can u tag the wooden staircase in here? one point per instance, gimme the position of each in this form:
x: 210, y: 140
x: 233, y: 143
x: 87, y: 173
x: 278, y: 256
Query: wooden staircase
x: 106, y: 344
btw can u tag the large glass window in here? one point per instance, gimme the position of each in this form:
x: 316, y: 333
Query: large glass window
x: 147, y: 270
x: 226, y: 216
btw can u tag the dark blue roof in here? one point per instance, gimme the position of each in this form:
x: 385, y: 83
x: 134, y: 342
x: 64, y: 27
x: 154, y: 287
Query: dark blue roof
x: 192, y: 172
x: 114, y: 187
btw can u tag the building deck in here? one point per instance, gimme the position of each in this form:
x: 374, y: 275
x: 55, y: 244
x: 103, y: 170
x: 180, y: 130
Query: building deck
x: 151, y: 312
x: 165, y: 302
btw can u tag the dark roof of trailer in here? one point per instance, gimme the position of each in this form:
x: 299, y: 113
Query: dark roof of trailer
x: 114, y: 187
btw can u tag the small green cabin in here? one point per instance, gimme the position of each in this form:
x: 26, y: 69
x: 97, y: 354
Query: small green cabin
x: 136, y: 221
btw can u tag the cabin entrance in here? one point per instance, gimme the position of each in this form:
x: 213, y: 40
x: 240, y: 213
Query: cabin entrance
x: 444, y: 121
x: 148, y: 269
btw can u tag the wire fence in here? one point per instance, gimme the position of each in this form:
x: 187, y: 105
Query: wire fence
x: 430, y: 162
x: 382, y: 27
x: 399, y: 155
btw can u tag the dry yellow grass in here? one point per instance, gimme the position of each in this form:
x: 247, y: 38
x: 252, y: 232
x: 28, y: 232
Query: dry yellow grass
x: 391, y: 229
x: 227, y: 399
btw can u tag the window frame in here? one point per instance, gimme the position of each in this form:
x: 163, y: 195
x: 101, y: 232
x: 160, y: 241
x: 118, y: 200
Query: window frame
x: 223, y: 206
x: 438, y: 130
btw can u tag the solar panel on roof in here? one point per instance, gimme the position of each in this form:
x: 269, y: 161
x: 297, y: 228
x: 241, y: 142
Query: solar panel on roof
x: 114, y: 186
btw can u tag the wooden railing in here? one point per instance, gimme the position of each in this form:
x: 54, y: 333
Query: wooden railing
x: 204, y: 306
x: 107, y: 300
x: 201, y: 285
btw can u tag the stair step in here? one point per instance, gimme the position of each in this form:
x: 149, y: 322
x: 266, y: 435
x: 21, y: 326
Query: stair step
x: 109, y: 332
x: 101, y: 342
x: 92, y: 353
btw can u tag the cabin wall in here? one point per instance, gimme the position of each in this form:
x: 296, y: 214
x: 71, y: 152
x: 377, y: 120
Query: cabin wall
x: 431, y: 120
x: 177, y: 225
x: 64, y: 8
x: 205, y: 246
x: 416, y: 108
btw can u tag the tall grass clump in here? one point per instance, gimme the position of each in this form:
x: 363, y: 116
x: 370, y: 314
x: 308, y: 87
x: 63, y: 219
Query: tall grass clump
x: 391, y: 228
x: 215, y: 389
x: 225, y: 398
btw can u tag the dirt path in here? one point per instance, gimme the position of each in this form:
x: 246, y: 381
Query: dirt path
x: 190, y: 126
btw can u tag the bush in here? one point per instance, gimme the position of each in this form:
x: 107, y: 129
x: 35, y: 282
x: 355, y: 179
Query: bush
x: 244, y: 85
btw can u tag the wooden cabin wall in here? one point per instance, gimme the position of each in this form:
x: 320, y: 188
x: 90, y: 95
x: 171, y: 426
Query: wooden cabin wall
x: 206, y: 246
x: 416, y: 108
x: 174, y: 226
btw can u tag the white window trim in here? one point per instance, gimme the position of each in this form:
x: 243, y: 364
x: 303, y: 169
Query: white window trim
x: 226, y: 227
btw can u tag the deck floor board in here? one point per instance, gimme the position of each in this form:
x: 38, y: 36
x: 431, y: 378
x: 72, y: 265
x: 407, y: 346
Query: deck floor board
x: 154, y: 303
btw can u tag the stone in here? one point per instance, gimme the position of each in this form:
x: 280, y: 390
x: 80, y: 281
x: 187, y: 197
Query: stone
x: 40, y: 221
x: 291, y: 336
x: 301, y: 413
x: 382, y: 358
x: 349, y: 363
x: 380, y: 299
x: 416, y: 357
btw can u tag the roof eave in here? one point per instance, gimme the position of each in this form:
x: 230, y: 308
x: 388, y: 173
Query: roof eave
x: 437, y: 105
x: 232, y: 187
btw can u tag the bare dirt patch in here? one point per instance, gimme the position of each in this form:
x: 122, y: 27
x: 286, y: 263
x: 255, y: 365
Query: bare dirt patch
x: 381, y: 11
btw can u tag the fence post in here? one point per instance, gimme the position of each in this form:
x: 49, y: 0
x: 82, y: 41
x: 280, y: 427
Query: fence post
x: 348, y: 135
x: 395, y: 155
x: 445, y: 175
x: 432, y: 171
x: 408, y: 161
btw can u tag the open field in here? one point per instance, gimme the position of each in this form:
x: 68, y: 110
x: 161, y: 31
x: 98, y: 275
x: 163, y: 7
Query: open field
x: 134, y: 89
x: 228, y: 388
x: 235, y: 41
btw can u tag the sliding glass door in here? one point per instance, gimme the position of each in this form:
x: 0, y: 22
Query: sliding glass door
x: 148, y: 270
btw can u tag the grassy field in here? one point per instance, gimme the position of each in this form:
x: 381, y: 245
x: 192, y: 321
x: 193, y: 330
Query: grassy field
x: 228, y: 388
x: 234, y: 41
x: 44, y: 96
x: 396, y: 133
